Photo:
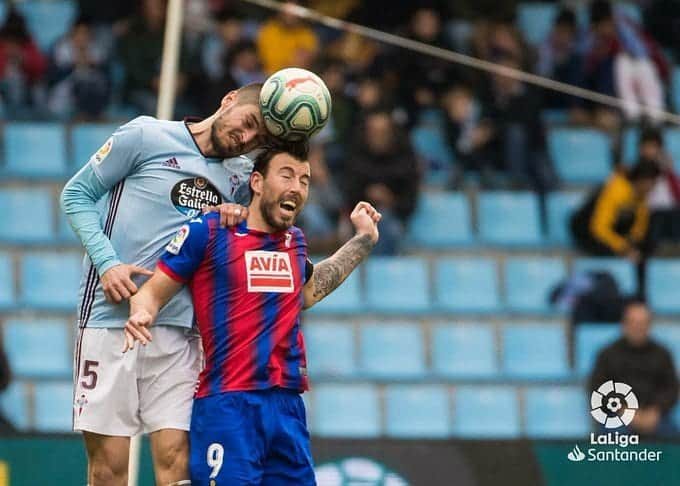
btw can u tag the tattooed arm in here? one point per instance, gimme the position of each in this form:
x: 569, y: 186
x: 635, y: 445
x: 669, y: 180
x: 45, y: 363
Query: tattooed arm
x: 332, y: 271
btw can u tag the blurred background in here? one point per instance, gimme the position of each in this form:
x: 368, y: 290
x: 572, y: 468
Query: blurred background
x: 530, y: 244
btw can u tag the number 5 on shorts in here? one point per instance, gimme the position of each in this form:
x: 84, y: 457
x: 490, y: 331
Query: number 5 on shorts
x: 215, y: 458
x: 90, y: 374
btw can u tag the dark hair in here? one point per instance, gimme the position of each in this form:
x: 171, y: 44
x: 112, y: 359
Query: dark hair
x: 14, y: 28
x: 566, y: 17
x: 651, y: 134
x: 600, y: 10
x: 298, y: 150
x: 644, y: 169
x: 634, y: 300
x: 249, y: 94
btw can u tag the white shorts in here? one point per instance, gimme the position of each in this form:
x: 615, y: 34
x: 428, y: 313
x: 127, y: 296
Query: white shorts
x: 148, y: 388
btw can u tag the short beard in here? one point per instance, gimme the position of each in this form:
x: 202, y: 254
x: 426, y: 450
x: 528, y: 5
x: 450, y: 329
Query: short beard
x: 221, y: 150
x: 267, y: 210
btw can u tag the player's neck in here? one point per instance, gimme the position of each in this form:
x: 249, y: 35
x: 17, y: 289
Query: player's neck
x: 201, y: 133
x: 257, y: 222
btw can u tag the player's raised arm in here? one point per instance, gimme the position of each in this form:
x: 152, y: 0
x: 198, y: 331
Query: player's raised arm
x: 331, y: 272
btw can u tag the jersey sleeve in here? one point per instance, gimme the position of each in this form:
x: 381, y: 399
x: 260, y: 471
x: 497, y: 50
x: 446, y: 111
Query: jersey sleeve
x: 184, y: 253
x: 121, y: 154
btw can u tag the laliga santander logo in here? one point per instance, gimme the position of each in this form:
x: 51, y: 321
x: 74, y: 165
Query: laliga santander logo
x: 613, y: 404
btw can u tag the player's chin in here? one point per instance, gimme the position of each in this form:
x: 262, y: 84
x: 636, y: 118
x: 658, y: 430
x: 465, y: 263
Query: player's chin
x: 286, y: 218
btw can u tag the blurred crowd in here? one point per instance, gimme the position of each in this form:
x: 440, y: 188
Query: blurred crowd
x: 401, y: 120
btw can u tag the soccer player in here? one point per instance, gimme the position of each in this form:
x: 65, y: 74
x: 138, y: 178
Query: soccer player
x: 148, y: 179
x: 249, y: 284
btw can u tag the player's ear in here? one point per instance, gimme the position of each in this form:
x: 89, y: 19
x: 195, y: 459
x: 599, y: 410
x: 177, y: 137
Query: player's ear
x: 229, y: 99
x: 256, y: 182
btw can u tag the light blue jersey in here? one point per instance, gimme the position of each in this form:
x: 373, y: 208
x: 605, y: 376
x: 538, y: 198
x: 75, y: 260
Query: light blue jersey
x: 154, y: 178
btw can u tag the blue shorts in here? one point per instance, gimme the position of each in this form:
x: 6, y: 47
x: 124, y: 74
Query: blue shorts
x: 250, y: 438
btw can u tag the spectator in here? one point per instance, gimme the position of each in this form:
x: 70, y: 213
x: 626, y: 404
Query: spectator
x: 624, y: 61
x: 140, y: 51
x: 5, y: 378
x: 559, y: 59
x: 664, y: 200
x: 512, y: 109
x: 383, y: 172
x: 285, y: 41
x: 645, y: 365
x: 215, y: 45
x: 22, y: 65
x: 78, y: 75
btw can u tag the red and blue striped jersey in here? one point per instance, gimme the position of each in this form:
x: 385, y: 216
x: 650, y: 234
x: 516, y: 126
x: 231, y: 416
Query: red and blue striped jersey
x: 246, y: 287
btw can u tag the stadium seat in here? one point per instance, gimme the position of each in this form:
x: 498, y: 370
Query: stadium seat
x: 486, y: 412
x: 346, y: 411
x: 50, y: 280
x: 430, y: 145
x: 417, y: 411
x: 669, y: 336
x: 466, y: 285
x: 662, y: 285
x: 54, y: 407
x: 14, y: 405
x: 464, y: 351
x: 330, y: 348
x: 509, y: 219
x: 7, y: 296
x: 675, y: 92
x: 39, y: 348
x: 556, y: 412
x: 590, y: 338
x: 35, y: 150
x: 622, y: 271
x: 529, y: 281
x: 560, y: 206
x: 28, y: 215
x: 397, y: 284
x: 346, y: 299
x: 581, y: 156
x: 392, y: 350
x: 535, y: 351
x: 671, y: 140
x: 441, y: 220
x: 629, y: 145
x: 48, y: 21
x: 86, y: 140
x: 631, y: 10
x: 535, y: 20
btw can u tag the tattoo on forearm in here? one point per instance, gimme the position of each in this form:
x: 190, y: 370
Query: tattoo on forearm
x: 332, y: 271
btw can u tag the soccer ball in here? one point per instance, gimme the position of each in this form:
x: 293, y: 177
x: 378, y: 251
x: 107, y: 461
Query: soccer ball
x: 295, y: 104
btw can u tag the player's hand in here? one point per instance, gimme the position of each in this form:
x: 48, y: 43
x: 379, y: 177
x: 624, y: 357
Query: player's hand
x: 365, y: 219
x: 117, y: 282
x: 136, y: 329
x: 230, y: 214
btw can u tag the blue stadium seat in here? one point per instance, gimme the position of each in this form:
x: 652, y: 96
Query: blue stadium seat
x: 529, y: 281
x: 589, y: 340
x: 86, y: 140
x: 50, y: 280
x: 509, y: 219
x: 417, y: 411
x: 48, y: 21
x: 54, y: 407
x: 559, y: 207
x: 397, y: 284
x: 430, y: 145
x: 14, y: 405
x: 346, y: 411
x: 535, y: 351
x: 7, y: 295
x: 35, y: 150
x: 38, y: 349
x: 462, y: 351
x: 441, y: 220
x: 467, y: 285
x: 629, y: 145
x: 675, y: 91
x: 392, y: 350
x: 482, y: 412
x: 630, y: 10
x: 622, y: 271
x: 662, y: 285
x: 27, y: 215
x: 580, y: 155
x: 346, y: 299
x: 535, y: 20
x: 669, y: 336
x: 556, y: 412
x: 671, y: 140
x: 330, y: 348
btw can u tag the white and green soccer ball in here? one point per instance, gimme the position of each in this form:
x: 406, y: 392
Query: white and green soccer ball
x: 356, y: 471
x: 295, y: 104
